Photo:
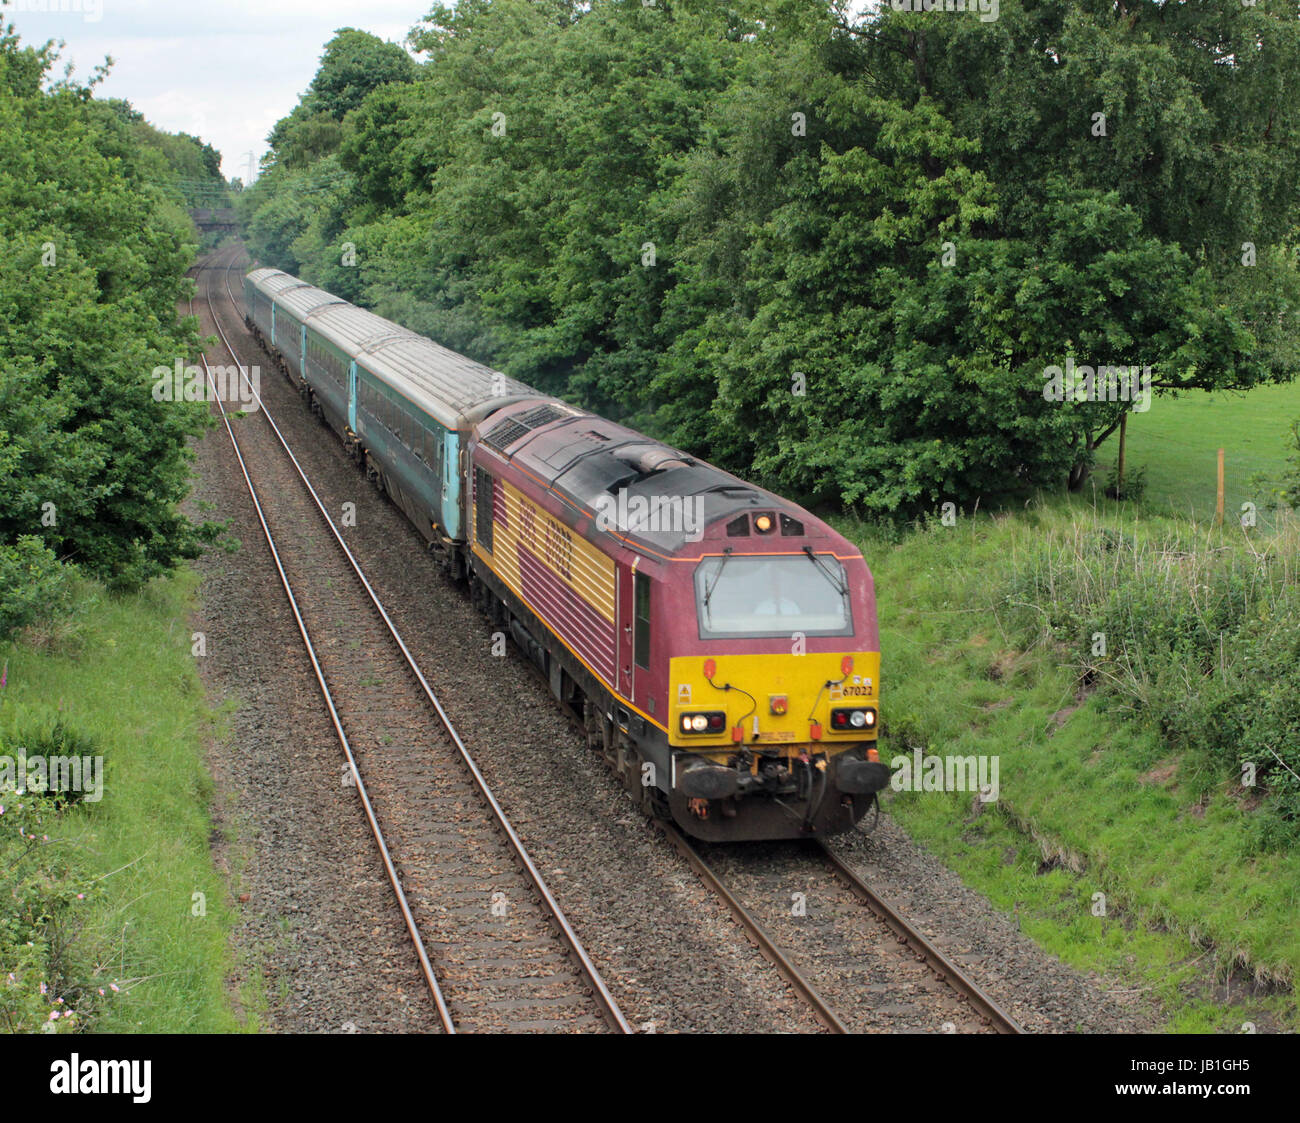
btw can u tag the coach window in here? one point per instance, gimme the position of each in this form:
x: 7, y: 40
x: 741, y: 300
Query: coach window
x: 641, y: 636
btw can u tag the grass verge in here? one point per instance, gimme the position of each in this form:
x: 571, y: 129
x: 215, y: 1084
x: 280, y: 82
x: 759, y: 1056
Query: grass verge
x: 1117, y: 851
x: 155, y: 920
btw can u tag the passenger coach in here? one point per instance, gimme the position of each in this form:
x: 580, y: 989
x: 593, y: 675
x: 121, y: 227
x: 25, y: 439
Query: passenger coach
x: 402, y: 405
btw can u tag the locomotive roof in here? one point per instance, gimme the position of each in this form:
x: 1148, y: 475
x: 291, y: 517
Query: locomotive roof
x: 589, y: 460
x: 447, y: 385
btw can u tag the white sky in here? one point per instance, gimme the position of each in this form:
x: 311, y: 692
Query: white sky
x: 224, y: 71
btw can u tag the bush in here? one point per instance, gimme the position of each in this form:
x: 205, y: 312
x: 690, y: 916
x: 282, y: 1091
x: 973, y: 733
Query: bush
x: 33, y: 585
x: 1135, y: 482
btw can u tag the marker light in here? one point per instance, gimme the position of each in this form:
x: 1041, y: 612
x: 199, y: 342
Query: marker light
x: 699, y: 723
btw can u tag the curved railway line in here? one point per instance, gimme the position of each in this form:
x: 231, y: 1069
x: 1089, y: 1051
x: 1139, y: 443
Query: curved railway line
x: 495, y: 949
x: 848, y: 973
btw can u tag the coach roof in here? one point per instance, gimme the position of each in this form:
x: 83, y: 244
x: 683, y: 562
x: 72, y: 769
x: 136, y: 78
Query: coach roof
x: 273, y: 281
x: 444, y: 384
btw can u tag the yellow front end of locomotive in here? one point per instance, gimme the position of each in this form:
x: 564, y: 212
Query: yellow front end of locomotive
x: 802, y: 702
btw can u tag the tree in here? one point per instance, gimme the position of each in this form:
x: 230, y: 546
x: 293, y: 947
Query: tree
x: 840, y: 255
x: 90, y: 464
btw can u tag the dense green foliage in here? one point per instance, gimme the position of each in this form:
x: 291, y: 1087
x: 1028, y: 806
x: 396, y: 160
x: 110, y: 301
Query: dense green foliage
x: 195, y: 166
x: 96, y: 249
x: 834, y: 254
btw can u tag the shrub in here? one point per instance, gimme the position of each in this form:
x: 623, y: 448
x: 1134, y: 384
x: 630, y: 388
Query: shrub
x: 46, y: 981
x: 34, y: 585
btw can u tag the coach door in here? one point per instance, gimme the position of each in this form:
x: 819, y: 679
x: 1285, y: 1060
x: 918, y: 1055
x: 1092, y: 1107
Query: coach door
x: 625, y: 594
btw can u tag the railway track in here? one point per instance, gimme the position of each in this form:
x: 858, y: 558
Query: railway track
x: 803, y: 907
x: 880, y: 976
x: 494, y: 947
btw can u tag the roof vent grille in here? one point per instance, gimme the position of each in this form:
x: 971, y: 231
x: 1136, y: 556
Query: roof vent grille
x: 504, y: 435
x: 539, y: 416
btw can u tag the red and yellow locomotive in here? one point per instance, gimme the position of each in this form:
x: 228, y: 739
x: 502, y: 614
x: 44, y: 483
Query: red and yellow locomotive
x: 719, y: 642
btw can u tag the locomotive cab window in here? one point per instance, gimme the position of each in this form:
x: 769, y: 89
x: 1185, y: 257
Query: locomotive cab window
x: 641, y: 623
x: 765, y: 595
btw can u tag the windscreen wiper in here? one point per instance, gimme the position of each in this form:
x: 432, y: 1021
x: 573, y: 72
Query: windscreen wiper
x: 836, y: 584
x: 708, y: 593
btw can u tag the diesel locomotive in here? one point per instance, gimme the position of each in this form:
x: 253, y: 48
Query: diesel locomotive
x: 718, y: 643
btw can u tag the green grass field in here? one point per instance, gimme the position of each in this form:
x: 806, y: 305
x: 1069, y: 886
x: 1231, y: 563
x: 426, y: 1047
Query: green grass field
x: 1178, y: 440
x: 120, y: 673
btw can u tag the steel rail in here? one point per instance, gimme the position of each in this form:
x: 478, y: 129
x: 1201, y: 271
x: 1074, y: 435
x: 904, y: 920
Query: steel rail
x: 773, y: 954
x: 412, y: 927
x: 600, y: 992
x: 987, y: 1009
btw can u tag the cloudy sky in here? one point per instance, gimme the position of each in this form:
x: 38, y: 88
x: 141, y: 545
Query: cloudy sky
x: 225, y: 71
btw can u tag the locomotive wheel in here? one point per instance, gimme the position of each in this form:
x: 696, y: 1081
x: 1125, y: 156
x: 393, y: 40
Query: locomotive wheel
x: 593, y: 721
x: 609, y: 742
x: 629, y: 770
x: 656, y: 804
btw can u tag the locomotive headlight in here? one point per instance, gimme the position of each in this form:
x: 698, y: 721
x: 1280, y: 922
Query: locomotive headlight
x: 847, y: 720
x: 714, y: 722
